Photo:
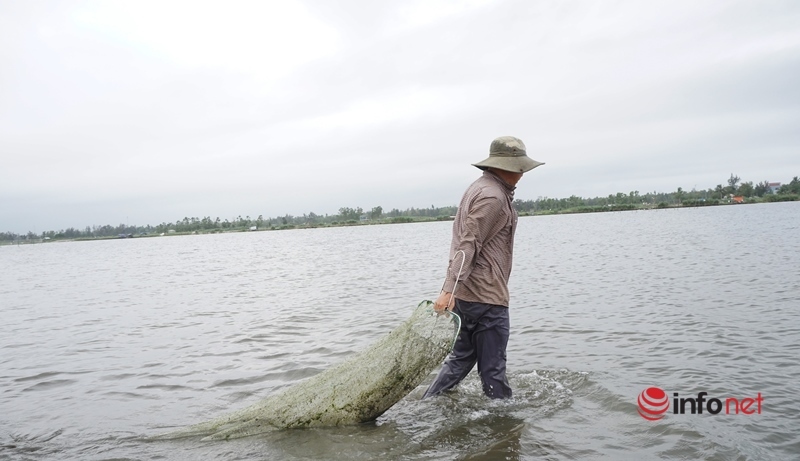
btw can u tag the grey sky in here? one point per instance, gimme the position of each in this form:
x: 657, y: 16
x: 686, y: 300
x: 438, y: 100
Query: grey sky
x: 144, y: 112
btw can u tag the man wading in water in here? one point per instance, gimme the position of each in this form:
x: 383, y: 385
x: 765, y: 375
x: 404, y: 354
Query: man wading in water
x: 484, y: 230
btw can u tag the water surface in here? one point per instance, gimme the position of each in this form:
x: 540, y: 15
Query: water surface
x: 103, y: 344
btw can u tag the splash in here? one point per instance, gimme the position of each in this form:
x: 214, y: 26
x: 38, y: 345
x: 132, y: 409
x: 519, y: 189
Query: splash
x: 357, y: 390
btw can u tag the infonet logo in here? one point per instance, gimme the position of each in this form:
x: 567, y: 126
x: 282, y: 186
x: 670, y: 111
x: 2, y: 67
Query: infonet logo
x: 654, y: 403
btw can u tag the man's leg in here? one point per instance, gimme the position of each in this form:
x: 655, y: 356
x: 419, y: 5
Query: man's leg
x: 490, y: 339
x: 460, y: 362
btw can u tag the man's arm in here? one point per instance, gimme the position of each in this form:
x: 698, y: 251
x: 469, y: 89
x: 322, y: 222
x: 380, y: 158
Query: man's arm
x: 485, y: 218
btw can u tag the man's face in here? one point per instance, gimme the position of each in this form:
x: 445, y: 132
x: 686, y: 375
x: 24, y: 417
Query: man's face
x: 513, y: 178
x: 508, y: 176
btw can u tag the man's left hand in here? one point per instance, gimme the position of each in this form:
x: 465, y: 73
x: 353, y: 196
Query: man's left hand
x: 444, y: 301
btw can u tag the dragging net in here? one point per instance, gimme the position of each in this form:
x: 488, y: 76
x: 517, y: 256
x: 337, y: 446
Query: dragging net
x: 357, y: 390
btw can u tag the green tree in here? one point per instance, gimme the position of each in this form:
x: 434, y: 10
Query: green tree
x: 761, y: 189
x: 793, y: 187
x: 574, y: 201
x: 746, y: 189
x: 733, y: 181
x: 350, y: 214
x: 376, y: 212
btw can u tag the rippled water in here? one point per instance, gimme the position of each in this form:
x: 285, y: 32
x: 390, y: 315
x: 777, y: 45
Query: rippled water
x: 103, y: 344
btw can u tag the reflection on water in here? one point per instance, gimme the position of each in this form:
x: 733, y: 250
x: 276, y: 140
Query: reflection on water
x: 502, y: 439
x: 103, y: 344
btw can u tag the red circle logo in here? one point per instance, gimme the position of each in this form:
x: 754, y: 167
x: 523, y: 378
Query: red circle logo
x: 653, y: 403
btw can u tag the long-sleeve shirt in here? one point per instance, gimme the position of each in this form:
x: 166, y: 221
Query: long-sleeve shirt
x: 484, y: 229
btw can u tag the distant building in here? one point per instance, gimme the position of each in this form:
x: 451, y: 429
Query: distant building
x: 773, y: 187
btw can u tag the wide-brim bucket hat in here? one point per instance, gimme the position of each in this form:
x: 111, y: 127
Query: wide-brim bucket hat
x: 509, y: 154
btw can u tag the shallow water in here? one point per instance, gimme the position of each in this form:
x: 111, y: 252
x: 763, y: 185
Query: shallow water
x: 103, y: 344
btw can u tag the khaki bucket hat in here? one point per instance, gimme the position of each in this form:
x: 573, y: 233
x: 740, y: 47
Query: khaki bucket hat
x: 508, y: 153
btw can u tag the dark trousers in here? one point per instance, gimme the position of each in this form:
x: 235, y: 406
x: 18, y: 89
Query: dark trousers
x: 482, y: 340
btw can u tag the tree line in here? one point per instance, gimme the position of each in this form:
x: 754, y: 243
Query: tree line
x: 347, y: 215
x: 634, y: 199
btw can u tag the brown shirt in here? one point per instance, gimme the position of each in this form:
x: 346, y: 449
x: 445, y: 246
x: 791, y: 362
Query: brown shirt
x: 484, y: 228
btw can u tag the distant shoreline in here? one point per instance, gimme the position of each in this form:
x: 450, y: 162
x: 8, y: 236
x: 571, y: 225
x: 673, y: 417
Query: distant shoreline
x: 405, y: 220
x: 736, y: 192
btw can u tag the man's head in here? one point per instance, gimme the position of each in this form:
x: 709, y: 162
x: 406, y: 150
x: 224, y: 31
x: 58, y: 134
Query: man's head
x: 508, y: 153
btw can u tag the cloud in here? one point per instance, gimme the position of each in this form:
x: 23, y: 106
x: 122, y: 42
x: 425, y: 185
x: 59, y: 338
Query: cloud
x: 167, y: 109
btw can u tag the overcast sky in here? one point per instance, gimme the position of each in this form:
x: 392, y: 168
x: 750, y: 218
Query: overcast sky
x: 141, y: 112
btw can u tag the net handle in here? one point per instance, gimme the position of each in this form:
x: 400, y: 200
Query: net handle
x: 458, y: 277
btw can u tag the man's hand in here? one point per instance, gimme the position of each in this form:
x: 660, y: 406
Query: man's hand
x: 444, y: 301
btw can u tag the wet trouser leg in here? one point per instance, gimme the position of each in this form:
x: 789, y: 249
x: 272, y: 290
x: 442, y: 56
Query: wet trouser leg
x: 483, y: 339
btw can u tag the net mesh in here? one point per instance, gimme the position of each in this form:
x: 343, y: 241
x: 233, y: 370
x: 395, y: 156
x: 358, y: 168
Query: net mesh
x: 357, y: 390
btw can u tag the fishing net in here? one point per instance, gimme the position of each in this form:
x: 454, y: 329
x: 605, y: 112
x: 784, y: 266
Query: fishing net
x: 357, y: 390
